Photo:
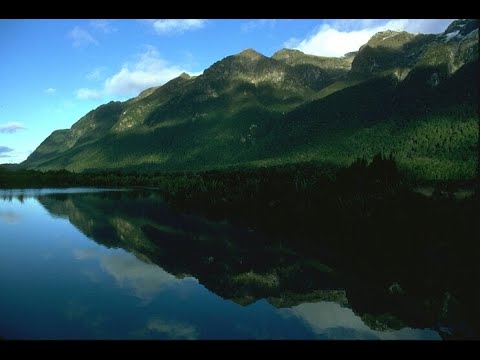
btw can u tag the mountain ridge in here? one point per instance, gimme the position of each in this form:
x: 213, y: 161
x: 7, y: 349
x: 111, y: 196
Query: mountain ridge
x: 233, y: 112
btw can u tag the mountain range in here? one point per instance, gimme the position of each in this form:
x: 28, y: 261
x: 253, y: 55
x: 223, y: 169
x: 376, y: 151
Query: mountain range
x: 412, y: 95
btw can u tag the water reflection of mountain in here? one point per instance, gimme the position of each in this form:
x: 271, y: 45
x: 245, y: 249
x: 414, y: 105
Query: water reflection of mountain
x: 235, y: 263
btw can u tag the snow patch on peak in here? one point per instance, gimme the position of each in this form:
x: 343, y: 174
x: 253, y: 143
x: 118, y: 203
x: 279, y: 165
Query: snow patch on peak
x: 451, y: 35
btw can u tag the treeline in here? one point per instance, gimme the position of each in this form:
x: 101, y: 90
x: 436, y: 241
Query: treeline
x: 243, y: 182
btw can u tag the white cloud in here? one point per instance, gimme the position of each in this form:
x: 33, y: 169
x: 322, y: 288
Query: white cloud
x: 95, y: 74
x: 166, y: 26
x: 160, y: 328
x: 257, y: 24
x: 85, y: 93
x: 173, y: 329
x: 149, y: 70
x: 81, y: 37
x: 341, y: 36
x: 427, y: 26
x: 50, y: 90
x: 11, y: 127
x: 104, y: 26
x: 10, y: 217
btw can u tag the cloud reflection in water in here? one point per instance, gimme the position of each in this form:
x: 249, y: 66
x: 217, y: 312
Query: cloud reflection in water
x: 331, y: 320
x: 145, y: 279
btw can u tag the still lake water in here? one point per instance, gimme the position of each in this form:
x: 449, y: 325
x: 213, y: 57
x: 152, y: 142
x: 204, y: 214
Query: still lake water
x: 102, y: 264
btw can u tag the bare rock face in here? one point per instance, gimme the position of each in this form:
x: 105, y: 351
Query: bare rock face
x: 388, y: 51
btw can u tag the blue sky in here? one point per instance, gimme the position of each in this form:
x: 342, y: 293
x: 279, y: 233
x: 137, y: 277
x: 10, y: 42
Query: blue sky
x: 54, y: 71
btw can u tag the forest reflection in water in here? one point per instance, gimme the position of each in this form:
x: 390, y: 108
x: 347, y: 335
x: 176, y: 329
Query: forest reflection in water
x: 151, y: 272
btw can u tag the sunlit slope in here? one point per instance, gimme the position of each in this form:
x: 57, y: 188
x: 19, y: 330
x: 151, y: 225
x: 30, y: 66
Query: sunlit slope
x: 413, y: 95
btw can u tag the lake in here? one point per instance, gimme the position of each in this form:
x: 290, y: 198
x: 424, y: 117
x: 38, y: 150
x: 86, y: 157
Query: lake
x: 105, y: 264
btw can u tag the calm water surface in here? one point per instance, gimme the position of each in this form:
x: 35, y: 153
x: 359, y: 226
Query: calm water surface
x: 99, y: 264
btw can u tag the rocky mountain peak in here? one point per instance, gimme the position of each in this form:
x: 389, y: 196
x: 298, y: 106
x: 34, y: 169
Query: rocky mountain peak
x: 246, y: 65
x: 460, y: 30
x: 462, y: 27
x: 249, y: 54
x: 185, y: 76
x: 286, y: 54
x: 350, y: 54
x: 390, y: 39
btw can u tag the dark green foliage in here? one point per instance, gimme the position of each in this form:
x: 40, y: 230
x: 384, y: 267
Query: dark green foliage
x: 381, y: 172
